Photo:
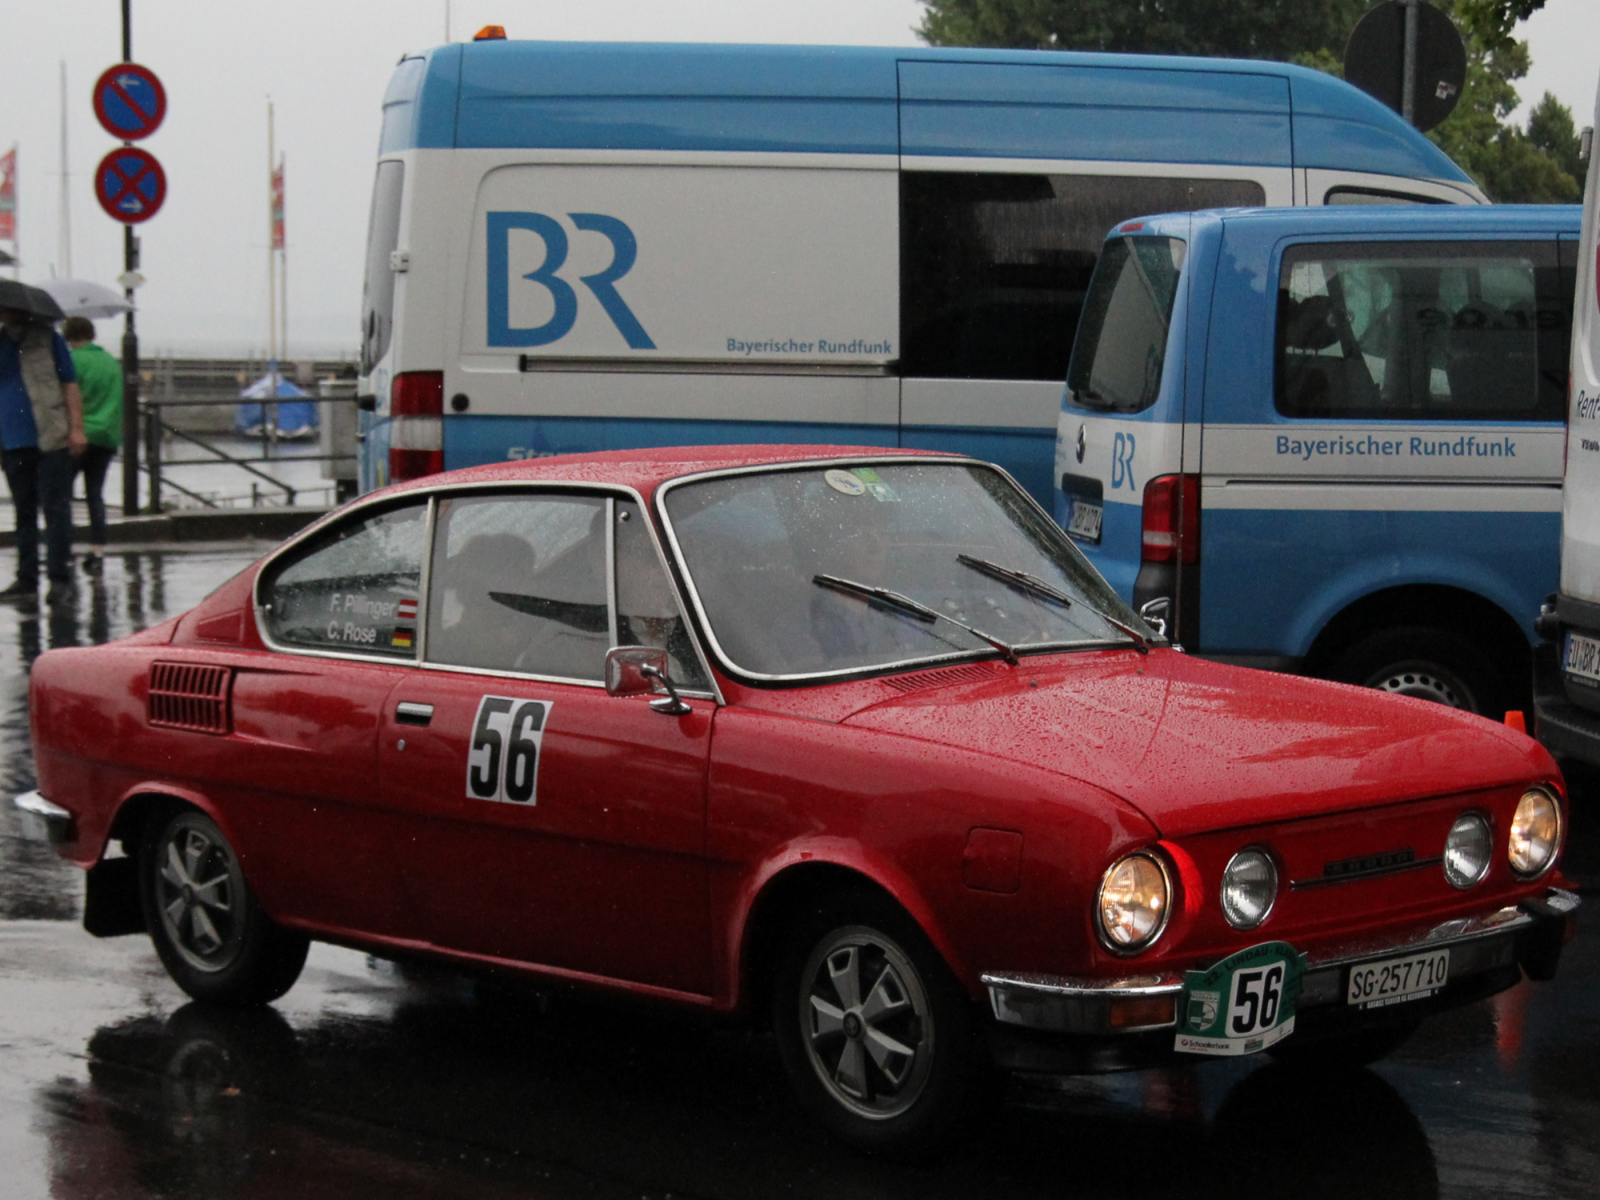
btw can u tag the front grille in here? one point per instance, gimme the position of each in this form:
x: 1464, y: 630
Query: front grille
x: 186, y: 696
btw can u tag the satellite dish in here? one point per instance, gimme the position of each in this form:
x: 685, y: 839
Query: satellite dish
x: 1374, y: 60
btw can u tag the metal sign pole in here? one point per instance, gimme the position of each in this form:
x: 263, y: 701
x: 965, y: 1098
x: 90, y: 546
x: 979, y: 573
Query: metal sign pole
x: 1408, y: 77
x: 130, y: 337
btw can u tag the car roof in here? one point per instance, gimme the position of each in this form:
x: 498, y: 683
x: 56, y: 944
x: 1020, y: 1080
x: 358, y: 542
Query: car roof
x: 1464, y: 219
x: 644, y: 470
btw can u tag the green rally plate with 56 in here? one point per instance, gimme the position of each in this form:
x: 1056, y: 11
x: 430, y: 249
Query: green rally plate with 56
x: 1242, y: 1004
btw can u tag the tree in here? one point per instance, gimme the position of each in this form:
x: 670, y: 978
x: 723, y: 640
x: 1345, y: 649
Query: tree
x: 1539, y: 165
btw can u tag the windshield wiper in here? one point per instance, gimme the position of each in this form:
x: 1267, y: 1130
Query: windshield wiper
x: 1021, y: 580
x: 884, y: 598
x: 1034, y: 586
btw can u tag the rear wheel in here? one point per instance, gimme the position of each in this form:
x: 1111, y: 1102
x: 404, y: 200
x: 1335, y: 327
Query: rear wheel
x: 1428, y: 664
x: 877, y: 1036
x: 211, y: 934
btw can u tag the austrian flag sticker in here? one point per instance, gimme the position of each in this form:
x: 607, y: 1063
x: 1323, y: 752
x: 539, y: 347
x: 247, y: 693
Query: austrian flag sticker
x: 407, y: 611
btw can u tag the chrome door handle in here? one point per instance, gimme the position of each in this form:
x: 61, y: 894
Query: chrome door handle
x: 408, y: 712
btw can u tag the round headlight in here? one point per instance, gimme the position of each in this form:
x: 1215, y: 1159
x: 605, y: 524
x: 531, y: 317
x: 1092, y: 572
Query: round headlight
x: 1133, y: 901
x: 1249, y: 887
x: 1467, y: 851
x: 1535, y: 832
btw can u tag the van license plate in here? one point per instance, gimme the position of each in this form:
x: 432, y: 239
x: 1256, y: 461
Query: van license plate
x: 1085, y: 520
x: 1395, y: 980
x: 1582, y: 657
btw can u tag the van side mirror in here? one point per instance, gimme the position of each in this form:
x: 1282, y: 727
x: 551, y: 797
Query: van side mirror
x: 1155, y: 613
x: 642, y: 670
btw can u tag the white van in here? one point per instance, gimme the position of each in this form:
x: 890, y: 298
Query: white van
x: 1566, y: 668
x: 580, y: 247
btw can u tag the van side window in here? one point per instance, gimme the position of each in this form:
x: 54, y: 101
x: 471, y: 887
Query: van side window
x: 519, y: 584
x: 1422, y: 331
x: 352, y: 589
x: 1365, y: 195
x: 993, y: 268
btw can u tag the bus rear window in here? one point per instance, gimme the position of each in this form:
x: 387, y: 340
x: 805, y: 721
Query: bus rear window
x: 383, y: 237
x: 1122, y: 339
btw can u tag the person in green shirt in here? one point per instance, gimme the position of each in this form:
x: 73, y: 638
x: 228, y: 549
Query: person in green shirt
x: 100, y: 380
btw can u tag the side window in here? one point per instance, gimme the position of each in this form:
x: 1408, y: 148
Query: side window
x: 1363, y: 195
x: 993, y: 268
x: 647, y: 610
x: 383, y: 236
x: 354, y: 589
x: 519, y: 584
x: 1421, y: 331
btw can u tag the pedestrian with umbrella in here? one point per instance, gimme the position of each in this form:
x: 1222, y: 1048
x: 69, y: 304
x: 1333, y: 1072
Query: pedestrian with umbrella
x: 41, y: 434
x: 100, y: 382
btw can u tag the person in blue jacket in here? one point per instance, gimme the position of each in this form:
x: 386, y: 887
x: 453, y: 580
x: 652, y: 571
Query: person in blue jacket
x: 41, y: 436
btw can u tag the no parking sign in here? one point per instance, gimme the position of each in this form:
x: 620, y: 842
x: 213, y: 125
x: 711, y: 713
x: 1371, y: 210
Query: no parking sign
x: 129, y: 101
x: 130, y: 185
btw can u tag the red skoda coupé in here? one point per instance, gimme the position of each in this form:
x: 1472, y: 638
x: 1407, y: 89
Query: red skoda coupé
x: 850, y: 740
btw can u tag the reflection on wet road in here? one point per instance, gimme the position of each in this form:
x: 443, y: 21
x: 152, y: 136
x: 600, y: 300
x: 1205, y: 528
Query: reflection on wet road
x: 371, y: 1079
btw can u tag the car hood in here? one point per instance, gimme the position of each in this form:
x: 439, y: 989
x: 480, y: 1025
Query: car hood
x: 1197, y: 746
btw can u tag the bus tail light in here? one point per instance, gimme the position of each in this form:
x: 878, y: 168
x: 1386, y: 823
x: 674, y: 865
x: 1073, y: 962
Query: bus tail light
x: 416, y: 435
x: 1172, y: 519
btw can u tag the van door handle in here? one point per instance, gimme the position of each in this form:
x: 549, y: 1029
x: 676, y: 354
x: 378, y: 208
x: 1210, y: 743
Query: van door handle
x: 409, y: 713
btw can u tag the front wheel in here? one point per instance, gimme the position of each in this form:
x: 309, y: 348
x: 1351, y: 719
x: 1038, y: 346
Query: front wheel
x: 877, y: 1036
x: 209, y: 931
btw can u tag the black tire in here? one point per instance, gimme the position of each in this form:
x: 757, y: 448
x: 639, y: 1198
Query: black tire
x: 209, y: 930
x: 1429, y: 664
x: 1348, y: 1050
x: 856, y: 980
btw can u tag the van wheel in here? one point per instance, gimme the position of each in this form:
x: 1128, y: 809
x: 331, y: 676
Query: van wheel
x: 1428, y: 664
x: 210, y: 932
x: 877, y: 1037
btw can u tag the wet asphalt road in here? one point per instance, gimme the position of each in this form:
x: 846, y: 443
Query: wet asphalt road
x: 371, y: 1079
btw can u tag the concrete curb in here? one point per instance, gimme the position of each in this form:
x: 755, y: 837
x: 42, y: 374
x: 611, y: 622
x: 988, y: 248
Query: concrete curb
x: 253, y: 524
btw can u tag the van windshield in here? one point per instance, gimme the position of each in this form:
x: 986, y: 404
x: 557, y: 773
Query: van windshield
x: 1122, y: 340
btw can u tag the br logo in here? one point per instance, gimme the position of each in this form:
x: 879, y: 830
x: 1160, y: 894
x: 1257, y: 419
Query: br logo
x: 1122, y: 461
x: 603, y: 284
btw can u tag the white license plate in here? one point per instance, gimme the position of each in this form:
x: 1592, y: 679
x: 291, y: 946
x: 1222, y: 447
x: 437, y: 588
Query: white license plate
x: 1396, y: 980
x: 1085, y: 519
x: 1582, y: 657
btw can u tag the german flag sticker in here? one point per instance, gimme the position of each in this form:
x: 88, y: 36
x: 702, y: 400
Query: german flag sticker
x: 402, y: 639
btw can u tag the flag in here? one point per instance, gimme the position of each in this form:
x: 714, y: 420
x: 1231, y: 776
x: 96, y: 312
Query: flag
x: 277, y: 207
x: 8, y: 196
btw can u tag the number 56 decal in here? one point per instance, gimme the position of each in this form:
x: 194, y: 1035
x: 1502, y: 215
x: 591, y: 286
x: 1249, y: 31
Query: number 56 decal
x: 506, y: 739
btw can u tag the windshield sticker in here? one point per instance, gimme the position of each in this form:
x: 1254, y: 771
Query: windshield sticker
x: 874, y: 483
x: 843, y: 481
x: 507, y: 738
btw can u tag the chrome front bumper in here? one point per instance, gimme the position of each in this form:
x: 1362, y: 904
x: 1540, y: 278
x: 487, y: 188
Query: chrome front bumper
x: 43, y: 821
x: 1142, y: 1003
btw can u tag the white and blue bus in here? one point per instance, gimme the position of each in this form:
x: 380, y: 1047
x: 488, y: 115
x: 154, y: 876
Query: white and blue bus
x: 577, y: 247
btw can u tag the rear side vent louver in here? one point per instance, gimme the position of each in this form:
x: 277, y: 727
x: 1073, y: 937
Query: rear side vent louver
x: 183, y: 696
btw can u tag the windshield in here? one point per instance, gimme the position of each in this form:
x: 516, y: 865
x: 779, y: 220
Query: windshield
x: 1122, y: 339
x: 773, y: 557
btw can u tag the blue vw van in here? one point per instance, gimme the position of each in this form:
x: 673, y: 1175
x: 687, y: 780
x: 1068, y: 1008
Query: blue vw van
x: 1330, y: 440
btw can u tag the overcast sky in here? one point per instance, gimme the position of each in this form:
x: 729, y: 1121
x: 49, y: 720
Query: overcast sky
x: 325, y: 64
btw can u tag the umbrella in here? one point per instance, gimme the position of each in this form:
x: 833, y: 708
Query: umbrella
x: 80, y: 298
x: 31, y: 300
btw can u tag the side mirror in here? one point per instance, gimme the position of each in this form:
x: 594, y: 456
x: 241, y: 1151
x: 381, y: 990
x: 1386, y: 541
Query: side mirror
x: 642, y: 670
x: 1154, y: 614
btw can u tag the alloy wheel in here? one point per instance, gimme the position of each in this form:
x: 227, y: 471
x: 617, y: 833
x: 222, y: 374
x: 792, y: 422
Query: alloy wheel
x: 866, y: 1022
x: 200, y: 895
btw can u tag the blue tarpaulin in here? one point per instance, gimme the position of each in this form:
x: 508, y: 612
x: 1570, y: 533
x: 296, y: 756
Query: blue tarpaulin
x: 296, y: 411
